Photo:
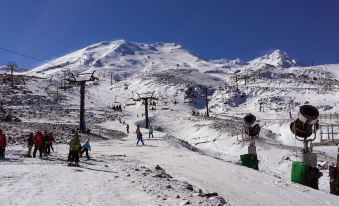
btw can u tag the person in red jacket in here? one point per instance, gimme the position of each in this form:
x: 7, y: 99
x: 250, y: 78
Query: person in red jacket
x: 38, y: 143
x: 2, y: 144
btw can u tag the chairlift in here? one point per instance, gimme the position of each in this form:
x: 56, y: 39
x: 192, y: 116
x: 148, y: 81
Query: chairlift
x: 52, y: 90
x: 164, y: 108
x: 130, y: 103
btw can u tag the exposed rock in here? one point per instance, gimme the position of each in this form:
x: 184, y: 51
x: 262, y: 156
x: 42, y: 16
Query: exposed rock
x: 213, y: 194
x: 189, y: 187
x: 186, y: 202
x: 158, y: 167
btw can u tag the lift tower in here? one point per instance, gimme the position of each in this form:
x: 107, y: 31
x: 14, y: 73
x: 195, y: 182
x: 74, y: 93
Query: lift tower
x: 82, y: 84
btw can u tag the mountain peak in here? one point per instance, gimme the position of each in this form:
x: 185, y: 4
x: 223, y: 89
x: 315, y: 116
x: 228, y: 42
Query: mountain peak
x: 277, y: 58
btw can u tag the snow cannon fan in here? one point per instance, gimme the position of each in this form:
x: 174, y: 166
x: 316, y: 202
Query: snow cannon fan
x: 251, y: 129
x: 303, y: 127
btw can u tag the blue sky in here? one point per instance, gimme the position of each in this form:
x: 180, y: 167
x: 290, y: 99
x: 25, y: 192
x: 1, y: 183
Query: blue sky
x: 212, y: 29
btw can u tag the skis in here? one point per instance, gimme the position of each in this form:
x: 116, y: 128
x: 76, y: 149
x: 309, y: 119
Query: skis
x: 73, y: 165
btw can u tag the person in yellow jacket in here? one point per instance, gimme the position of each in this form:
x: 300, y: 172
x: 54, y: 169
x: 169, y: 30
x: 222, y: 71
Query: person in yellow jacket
x: 74, y: 148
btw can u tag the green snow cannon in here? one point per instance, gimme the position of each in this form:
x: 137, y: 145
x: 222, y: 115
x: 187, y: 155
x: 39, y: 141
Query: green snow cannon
x: 305, y: 174
x: 300, y: 173
x: 250, y: 161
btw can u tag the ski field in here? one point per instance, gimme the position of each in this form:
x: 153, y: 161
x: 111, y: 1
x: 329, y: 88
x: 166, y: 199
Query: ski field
x: 192, y: 159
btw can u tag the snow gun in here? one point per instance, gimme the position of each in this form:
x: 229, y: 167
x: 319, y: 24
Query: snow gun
x: 251, y: 129
x: 306, y: 124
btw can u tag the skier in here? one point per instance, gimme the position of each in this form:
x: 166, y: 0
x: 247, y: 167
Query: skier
x: 74, y: 146
x: 127, y: 128
x: 85, y: 148
x: 150, y: 132
x: 44, y: 143
x: 38, y: 143
x: 49, y: 143
x: 69, y: 151
x: 333, y: 176
x: 2, y: 144
x: 139, y: 135
x: 30, y: 143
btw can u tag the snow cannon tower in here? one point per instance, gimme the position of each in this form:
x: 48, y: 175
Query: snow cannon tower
x: 306, y: 172
x: 251, y: 129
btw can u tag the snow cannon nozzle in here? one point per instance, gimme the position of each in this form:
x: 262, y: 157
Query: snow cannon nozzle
x: 306, y: 123
x: 251, y: 127
x: 308, y: 114
x: 249, y: 119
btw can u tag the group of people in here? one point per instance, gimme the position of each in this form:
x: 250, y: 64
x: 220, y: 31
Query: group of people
x: 117, y: 108
x: 42, y: 142
x: 139, y: 134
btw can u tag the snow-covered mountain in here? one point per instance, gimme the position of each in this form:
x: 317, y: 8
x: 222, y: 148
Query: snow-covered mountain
x: 230, y: 62
x: 277, y: 58
x: 122, y: 56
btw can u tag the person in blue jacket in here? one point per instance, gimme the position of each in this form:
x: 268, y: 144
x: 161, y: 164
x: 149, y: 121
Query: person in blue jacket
x: 85, y: 148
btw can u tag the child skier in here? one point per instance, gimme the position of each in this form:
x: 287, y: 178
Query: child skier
x: 85, y: 148
x: 150, y: 132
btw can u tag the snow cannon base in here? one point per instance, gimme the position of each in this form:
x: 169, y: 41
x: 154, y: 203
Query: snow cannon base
x: 250, y: 161
x: 305, y: 174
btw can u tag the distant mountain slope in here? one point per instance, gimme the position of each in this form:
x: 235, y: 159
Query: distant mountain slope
x: 277, y: 58
x: 122, y: 57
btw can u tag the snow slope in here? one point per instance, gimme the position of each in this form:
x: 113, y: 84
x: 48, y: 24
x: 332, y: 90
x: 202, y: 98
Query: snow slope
x: 276, y: 80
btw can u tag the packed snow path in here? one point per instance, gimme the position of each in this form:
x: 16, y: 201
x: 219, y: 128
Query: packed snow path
x: 237, y: 184
x: 119, y: 175
x: 109, y: 178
